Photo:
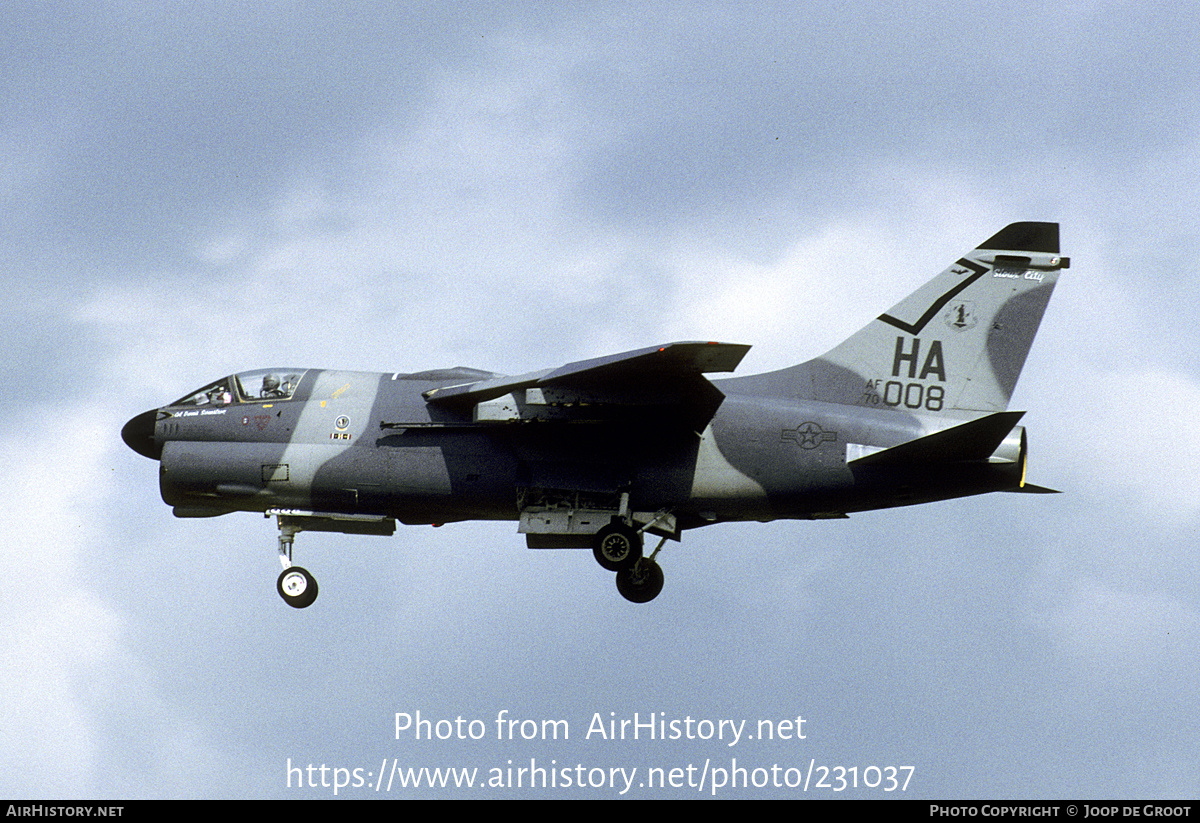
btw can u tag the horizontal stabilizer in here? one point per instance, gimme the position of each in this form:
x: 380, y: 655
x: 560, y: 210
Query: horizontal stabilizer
x: 1029, y: 488
x: 975, y: 440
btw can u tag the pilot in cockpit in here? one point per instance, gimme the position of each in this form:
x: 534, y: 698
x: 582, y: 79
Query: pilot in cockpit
x: 270, y: 387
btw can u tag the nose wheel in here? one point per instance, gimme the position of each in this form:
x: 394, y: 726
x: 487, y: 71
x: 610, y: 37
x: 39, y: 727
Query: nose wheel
x: 297, y: 587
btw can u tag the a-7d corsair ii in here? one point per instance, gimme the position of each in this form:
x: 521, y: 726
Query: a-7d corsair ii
x: 599, y: 453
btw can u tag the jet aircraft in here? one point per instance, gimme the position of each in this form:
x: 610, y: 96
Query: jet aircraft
x: 601, y: 453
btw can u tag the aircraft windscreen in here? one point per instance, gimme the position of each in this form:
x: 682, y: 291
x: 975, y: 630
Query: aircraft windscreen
x: 271, y: 384
x: 247, y: 387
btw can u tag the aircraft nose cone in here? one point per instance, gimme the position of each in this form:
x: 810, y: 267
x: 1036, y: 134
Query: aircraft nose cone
x: 138, y: 434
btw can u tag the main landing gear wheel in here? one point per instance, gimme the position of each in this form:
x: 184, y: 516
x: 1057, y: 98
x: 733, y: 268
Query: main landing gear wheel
x: 297, y: 587
x: 617, y: 546
x: 641, y: 582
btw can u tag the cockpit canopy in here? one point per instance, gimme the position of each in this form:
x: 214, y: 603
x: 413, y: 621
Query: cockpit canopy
x: 247, y: 387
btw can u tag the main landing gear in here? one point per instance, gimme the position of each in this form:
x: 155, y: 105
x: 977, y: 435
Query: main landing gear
x: 618, y: 548
x: 642, y: 581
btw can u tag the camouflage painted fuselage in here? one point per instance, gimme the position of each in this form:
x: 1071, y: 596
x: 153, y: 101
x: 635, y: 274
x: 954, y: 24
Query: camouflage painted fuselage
x: 910, y: 409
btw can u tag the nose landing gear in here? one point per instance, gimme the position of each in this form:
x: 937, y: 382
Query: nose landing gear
x: 295, y: 585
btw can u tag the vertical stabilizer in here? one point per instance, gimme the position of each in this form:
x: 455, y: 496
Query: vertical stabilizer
x: 957, y: 343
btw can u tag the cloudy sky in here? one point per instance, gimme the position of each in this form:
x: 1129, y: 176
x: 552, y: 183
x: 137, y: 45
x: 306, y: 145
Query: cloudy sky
x: 197, y: 189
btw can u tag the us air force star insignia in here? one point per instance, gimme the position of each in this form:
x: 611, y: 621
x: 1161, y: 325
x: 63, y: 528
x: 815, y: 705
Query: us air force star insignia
x: 809, y: 435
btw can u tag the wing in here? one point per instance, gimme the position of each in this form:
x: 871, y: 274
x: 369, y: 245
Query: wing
x: 669, y: 378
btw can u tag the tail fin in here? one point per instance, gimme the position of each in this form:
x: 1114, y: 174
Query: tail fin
x: 956, y: 343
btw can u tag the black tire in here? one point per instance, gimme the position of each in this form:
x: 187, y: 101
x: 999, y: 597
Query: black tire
x: 297, y: 587
x: 641, y: 583
x: 617, y: 546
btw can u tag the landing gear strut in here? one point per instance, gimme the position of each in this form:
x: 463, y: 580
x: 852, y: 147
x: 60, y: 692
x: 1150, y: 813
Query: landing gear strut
x: 297, y: 586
